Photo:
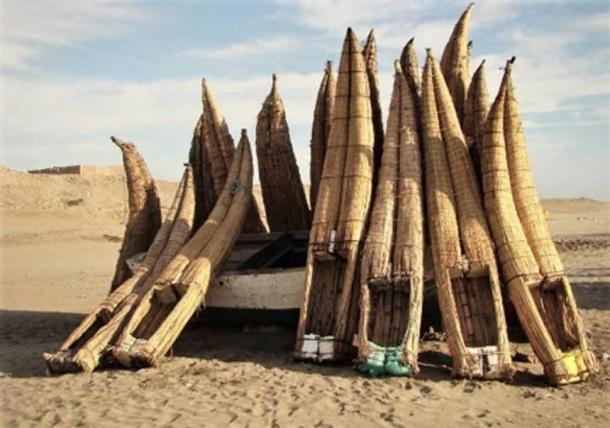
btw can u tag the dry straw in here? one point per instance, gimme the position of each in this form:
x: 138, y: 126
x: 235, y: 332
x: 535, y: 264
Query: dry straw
x: 283, y: 192
x: 455, y: 62
x: 181, y: 288
x: 83, y: 349
x: 392, y: 258
x: 320, y: 130
x: 465, y: 269
x: 144, y: 210
x: 475, y: 115
x: 330, y: 303
x: 554, y: 298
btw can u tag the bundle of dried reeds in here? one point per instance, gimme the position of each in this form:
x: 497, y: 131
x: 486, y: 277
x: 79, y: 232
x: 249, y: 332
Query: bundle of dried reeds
x: 369, y: 51
x: 469, y: 288
x: 554, y: 297
x: 144, y: 210
x: 329, y: 311
x: 392, y: 258
x: 475, y: 115
x: 455, y: 62
x: 181, y: 287
x: 320, y: 130
x: 212, y: 151
x: 82, y: 350
x: 283, y: 192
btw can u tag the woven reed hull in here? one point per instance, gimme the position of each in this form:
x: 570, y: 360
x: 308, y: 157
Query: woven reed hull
x: 83, y: 349
x: 331, y: 306
x: 392, y: 258
x: 283, y: 192
x: 331, y: 296
x: 320, y: 130
x: 165, y: 309
x: 466, y: 274
x: 554, y: 298
x: 537, y: 303
x: 144, y: 210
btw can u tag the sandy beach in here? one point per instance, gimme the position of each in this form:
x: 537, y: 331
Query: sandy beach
x: 58, y: 244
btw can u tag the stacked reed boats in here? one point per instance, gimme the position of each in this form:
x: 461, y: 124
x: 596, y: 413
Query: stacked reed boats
x: 450, y: 172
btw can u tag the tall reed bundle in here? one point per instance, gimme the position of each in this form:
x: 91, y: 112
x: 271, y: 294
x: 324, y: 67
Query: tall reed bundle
x: 519, y: 266
x: 329, y: 312
x: 475, y: 115
x: 211, y: 154
x: 392, y: 258
x: 181, y: 287
x: 369, y: 51
x: 320, y: 130
x: 555, y: 299
x: 82, y: 350
x: 144, y: 210
x: 455, y: 62
x: 283, y: 192
x: 480, y: 346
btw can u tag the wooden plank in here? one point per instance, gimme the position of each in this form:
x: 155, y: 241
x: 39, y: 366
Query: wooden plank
x: 271, y: 289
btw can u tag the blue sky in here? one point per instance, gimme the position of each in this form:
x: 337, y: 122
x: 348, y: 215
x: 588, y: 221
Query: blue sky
x: 72, y: 73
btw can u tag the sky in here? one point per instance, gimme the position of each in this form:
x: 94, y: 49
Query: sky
x: 72, y: 73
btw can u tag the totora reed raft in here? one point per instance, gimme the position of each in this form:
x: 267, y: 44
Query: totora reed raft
x: 392, y: 258
x: 181, y: 287
x: 84, y: 348
x: 464, y: 261
x: 283, y: 192
x: 538, y: 287
x: 329, y: 311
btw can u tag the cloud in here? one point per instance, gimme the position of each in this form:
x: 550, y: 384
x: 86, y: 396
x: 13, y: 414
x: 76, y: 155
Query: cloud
x: 70, y: 120
x: 29, y: 27
x: 247, y: 48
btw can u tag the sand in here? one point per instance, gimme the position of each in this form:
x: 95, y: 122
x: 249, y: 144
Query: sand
x: 59, y: 240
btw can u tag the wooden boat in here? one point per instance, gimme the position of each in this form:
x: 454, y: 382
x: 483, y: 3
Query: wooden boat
x: 84, y: 348
x: 455, y: 62
x: 144, y: 210
x: 392, y: 267
x: 320, y: 130
x: 283, y: 192
x: 464, y: 261
x: 537, y: 284
x: 329, y: 312
x: 211, y: 154
x: 181, y: 287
